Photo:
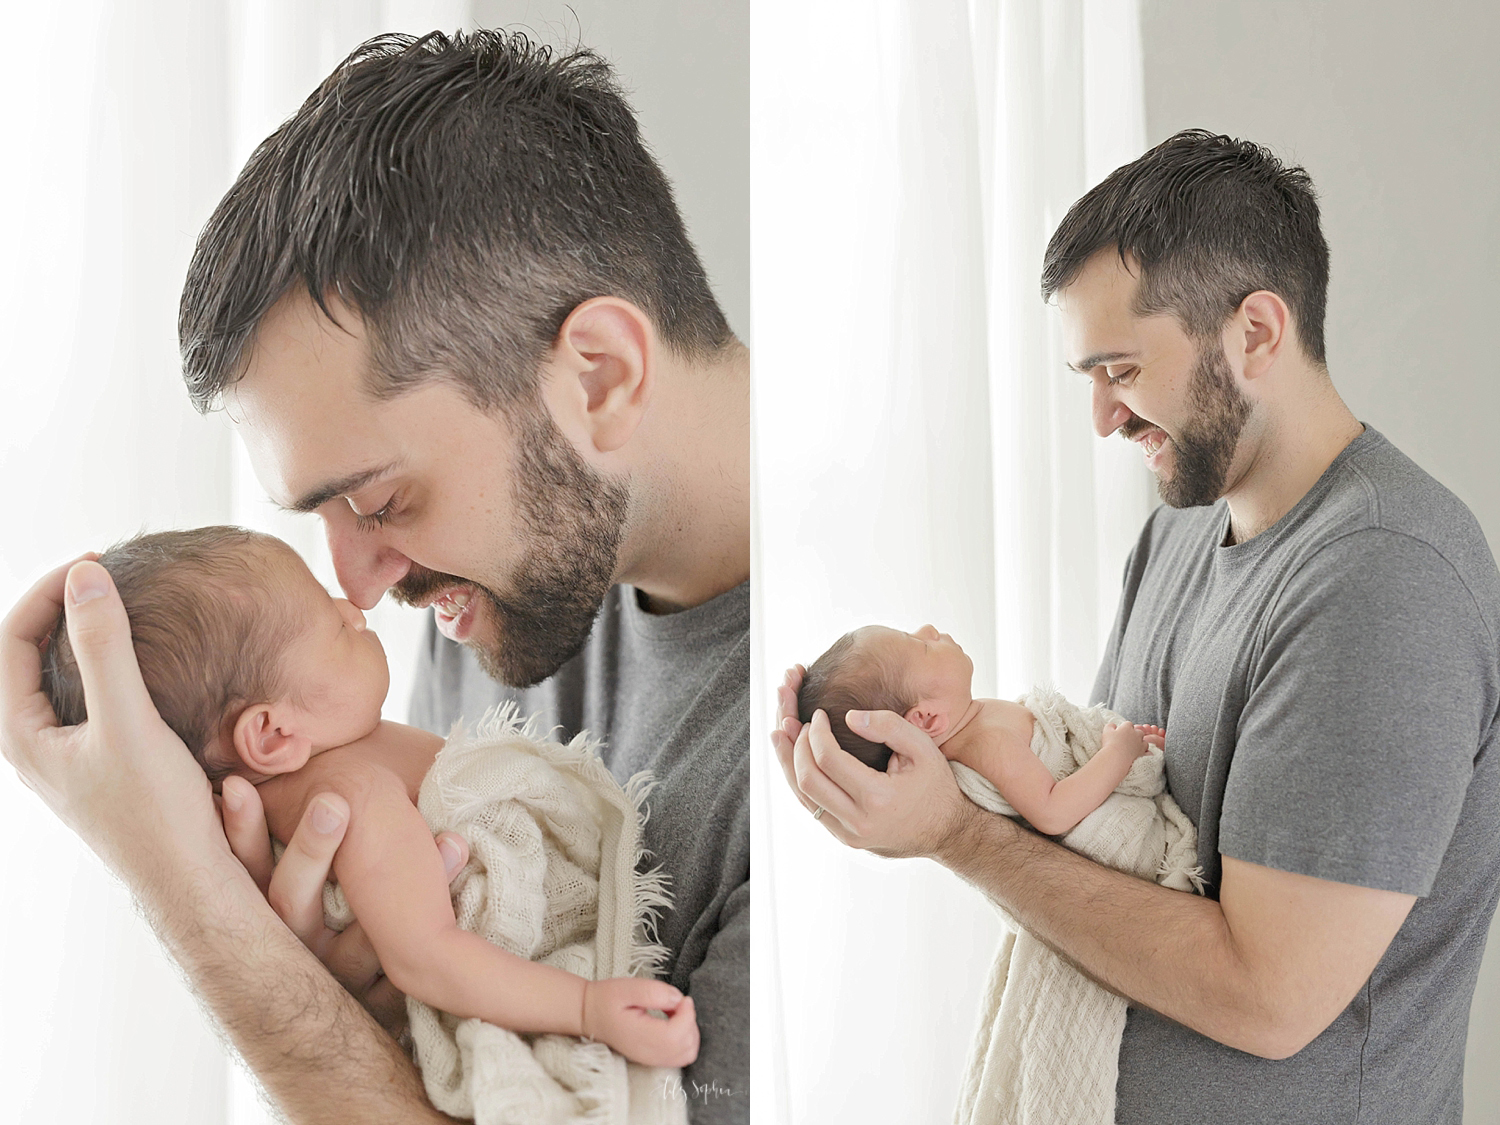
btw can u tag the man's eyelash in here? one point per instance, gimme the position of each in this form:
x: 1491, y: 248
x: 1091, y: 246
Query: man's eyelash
x: 375, y: 519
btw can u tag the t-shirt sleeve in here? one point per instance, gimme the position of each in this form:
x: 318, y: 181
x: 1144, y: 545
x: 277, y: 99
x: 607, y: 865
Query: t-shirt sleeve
x: 1362, y: 720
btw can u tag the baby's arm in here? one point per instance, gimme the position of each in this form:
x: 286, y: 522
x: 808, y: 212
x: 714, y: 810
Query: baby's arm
x: 393, y: 878
x: 1054, y: 807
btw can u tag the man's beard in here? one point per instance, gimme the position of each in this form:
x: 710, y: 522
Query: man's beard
x: 571, y: 521
x: 1204, y: 450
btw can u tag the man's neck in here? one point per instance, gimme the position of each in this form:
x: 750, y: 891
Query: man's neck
x: 1294, y: 441
x: 689, y: 536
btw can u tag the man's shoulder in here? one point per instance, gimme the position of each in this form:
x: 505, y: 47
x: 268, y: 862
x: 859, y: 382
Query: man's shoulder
x: 1375, y: 484
x: 1377, y: 495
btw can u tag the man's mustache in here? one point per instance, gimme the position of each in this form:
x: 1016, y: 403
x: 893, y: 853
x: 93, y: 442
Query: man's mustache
x: 420, y: 585
x: 1135, y: 427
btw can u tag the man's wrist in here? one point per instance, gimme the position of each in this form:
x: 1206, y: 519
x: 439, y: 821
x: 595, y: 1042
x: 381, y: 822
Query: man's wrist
x: 961, y: 836
x: 185, y: 900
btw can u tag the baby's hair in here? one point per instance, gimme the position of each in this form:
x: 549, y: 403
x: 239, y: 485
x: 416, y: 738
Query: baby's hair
x: 207, y: 632
x: 843, y: 679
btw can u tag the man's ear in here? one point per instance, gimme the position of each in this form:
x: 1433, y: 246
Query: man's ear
x: 267, y: 742
x: 1259, y: 330
x: 929, y: 718
x: 601, y: 373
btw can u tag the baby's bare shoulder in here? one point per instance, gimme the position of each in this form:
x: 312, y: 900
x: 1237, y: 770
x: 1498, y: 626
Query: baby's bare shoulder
x: 343, y: 770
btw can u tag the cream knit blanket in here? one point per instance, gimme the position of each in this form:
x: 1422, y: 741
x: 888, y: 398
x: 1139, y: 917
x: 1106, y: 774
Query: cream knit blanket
x: 553, y: 846
x: 1048, y: 1047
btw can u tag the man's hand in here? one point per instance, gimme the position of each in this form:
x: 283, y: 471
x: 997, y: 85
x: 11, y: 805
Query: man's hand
x: 123, y: 781
x: 912, y: 809
x: 294, y: 888
x: 618, y: 1012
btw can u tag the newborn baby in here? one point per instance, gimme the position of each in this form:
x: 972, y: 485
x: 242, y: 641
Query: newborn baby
x: 927, y: 679
x: 264, y: 675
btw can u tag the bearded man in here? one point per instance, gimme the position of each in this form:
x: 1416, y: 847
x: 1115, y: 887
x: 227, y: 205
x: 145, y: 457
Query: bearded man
x: 1314, y: 621
x: 451, y: 307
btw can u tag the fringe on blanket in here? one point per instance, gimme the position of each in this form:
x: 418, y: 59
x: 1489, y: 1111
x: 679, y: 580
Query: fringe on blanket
x: 1048, y: 1044
x: 554, y: 875
x: 582, y: 754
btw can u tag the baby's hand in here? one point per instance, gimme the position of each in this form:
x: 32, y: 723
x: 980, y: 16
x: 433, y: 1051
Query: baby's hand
x: 617, y: 1012
x: 1127, y: 739
x: 1154, y: 735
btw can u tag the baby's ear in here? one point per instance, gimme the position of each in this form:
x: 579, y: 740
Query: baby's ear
x: 267, y: 743
x: 930, y: 719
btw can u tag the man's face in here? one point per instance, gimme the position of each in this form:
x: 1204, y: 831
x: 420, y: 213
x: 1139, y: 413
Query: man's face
x: 1154, y: 385
x: 495, y: 522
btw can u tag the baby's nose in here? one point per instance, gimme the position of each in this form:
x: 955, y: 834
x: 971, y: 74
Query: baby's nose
x: 352, y: 614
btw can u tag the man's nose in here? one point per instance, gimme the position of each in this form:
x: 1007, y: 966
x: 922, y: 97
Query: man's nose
x: 365, y: 567
x: 1109, y: 412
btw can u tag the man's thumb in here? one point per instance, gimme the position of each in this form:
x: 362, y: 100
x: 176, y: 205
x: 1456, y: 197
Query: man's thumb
x: 99, y: 632
x: 893, y: 730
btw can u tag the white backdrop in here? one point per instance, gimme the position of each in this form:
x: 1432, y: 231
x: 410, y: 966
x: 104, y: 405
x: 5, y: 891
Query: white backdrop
x: 125, y: 124
x: 921, y: 456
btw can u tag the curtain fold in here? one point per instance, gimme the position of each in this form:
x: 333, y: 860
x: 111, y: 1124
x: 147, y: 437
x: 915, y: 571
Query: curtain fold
x: 921, y: 455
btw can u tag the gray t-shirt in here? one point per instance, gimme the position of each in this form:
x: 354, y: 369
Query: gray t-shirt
x: 668, y: 693
x: 1330, y: 692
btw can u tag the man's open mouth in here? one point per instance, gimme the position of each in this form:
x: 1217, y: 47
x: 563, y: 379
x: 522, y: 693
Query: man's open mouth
x: 453, y: 610
x: 1151, y: 443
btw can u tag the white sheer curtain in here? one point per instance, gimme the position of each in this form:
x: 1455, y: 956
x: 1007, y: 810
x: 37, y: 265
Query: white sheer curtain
x: 124, y: 125
x: 921, y: 456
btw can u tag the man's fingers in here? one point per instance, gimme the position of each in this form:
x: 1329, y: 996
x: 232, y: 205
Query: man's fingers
x: 890, y: 728
x: 786, y: 696
x: 785, y: 756
x: 812, y: 780
x: 455, y: 852
x: 296, y: 890
x: 786, y: 711
x: 387, y: 1004
x: 100, y: 634
x: 351, y: 959
x: 245, y: 826
x: 25, y: 627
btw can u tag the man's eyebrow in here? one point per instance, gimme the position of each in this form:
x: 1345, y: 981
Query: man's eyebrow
x: 312, y: 501
x: 1083, y: 367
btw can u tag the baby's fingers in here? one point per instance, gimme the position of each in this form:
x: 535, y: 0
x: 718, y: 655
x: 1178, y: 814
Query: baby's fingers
x: 656, y: 995
x: 682, y: 1037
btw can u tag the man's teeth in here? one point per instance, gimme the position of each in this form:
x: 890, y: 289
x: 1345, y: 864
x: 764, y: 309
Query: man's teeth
x: 1153, y: 441
x: 453, y: 604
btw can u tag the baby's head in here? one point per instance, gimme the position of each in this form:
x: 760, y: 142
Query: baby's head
x: 247, y: 658
x: 923, y: 676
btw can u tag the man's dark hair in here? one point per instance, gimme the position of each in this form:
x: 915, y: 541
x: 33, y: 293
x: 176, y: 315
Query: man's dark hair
x: 207, y: 634
x: 463, y: 194
x: 1209, y: 220
x: 844, y: 679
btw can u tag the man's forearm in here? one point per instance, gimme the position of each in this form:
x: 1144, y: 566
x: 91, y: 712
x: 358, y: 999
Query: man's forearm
x: 318, y: 1053
x: 1166, y: 950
